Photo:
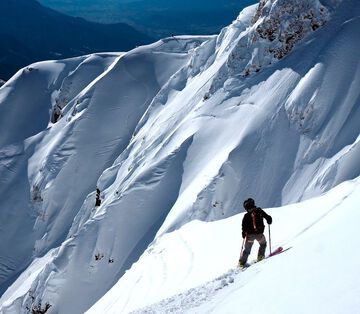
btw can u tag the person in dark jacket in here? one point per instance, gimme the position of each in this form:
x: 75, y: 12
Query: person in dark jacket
x: 97, y: 200
x: 253, y: 229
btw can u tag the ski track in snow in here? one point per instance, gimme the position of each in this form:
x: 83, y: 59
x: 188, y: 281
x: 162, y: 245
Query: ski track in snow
x: 189, y: 300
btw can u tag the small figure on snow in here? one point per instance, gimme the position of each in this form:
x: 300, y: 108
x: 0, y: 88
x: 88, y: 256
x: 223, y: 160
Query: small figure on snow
x: 173, y: 36
x: 57, y: 114
x: 98, y: 200
x: 253, y: 229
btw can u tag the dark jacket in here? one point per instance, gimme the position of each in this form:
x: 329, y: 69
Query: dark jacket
x: 253, y: 221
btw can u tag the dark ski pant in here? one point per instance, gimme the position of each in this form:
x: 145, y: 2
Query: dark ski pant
x: 250, y: 238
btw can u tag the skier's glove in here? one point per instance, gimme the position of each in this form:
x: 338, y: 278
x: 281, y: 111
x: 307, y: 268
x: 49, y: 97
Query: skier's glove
x: 269, y: 220
x: 244, y: 235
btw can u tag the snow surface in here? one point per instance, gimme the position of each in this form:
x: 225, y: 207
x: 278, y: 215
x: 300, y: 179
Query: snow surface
x: 318, y: 265
x: 176, y: 135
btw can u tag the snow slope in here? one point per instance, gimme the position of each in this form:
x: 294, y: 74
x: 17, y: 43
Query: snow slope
x: 175, y: 132
x: 300, y: 280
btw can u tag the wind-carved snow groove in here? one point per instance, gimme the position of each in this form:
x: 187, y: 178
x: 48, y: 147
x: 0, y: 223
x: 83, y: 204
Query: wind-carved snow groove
x: 89, y: 69
x: 201, y: 59
x: 8, y: 158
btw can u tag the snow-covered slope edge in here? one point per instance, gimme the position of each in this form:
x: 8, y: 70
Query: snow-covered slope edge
x: 320, y: 266
x: 192, y: 135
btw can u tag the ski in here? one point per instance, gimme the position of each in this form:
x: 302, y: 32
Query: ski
x: 277, y: 251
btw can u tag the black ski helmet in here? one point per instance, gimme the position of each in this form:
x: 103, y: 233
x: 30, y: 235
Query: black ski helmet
x: 249, y: 204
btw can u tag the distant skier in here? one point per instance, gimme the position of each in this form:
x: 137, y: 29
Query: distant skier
x: 97, y: 200
x: 173, y: 36
x: 57, y: 114
x: 253, y: 229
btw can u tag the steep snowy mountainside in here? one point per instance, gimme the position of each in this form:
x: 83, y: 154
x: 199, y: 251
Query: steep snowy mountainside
x: 286, y: 115
x: 170, y: 133
x: 27, y: 104
x: 46, y: 176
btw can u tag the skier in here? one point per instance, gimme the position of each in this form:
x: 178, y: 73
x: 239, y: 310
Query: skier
x: 252, y: 229
x: 57, y: 114
x: 98, y: 200
x: 173, y: 36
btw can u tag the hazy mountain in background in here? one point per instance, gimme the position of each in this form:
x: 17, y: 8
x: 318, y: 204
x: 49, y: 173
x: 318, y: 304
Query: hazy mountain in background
x: 31, y: 32
x: 159, y: 18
